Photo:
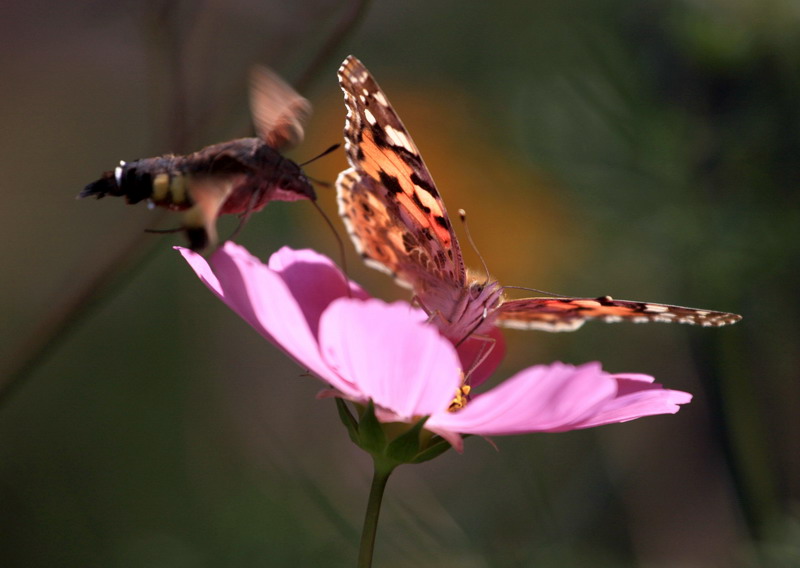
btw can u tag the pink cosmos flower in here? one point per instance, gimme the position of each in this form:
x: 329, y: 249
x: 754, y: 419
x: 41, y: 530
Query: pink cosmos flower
x: 366, y: 349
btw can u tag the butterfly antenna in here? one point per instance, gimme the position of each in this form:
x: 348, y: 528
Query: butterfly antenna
x: 318, y: 156
x: 339, y: 242
x: 489, y: 343
x: 542, y: 292
x: 463, y: 215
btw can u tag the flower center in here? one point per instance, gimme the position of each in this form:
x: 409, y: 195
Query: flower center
x: 461, y: 398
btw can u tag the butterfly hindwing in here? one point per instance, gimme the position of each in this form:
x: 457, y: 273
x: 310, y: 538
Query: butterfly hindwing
x: 375, y: 232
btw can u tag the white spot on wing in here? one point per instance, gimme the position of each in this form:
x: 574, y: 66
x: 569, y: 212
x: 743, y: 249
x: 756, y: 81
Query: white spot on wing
x: 378, y: 96
x: 398, y: 138
x: 358, y: 76
x: 559, y: 325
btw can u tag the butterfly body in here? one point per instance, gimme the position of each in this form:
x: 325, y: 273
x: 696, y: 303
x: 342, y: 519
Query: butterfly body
x: 398, y: 223
x: 236, y: 177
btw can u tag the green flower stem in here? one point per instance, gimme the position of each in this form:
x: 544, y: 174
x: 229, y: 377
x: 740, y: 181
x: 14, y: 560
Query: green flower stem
x: 379, y: 478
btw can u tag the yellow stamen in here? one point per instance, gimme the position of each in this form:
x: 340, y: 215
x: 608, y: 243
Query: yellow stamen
x: 461, y: 398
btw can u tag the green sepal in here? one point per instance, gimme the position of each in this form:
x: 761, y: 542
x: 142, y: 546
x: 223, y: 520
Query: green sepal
x: 371, y: 436
x: 347, y: 419
x: 390, y: 443
x: 439, y: 447
x: 407, y: 445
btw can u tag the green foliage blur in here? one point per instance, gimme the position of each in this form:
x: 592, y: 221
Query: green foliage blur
x: 645, y: 150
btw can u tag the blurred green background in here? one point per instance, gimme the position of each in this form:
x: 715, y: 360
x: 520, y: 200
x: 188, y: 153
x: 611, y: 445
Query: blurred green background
x: 646, y: 150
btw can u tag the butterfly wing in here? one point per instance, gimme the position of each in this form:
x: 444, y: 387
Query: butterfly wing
x: 568, y: 314
x: 398, y: 223
x: 388, y: 201
x: 278, y: 111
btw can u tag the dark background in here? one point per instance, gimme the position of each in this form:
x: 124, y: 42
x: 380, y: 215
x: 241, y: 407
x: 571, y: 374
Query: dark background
x: 645, y: 150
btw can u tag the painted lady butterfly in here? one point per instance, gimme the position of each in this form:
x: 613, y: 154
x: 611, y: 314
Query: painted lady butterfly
x: 397, y: 221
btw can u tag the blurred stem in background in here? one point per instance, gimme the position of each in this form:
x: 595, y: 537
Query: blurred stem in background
x: 167, y: 27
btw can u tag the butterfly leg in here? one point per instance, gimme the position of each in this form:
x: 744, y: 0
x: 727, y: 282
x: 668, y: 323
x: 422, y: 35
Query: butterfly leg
x: 489, y: 342
x: 487, y: 347
x: 435, y: 317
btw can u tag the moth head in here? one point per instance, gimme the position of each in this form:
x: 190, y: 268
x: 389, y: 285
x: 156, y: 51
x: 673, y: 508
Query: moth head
x: 293, y: 185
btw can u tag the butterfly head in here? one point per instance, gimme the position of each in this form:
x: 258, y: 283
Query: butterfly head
x: 475, y: 311
x: 485, y: 294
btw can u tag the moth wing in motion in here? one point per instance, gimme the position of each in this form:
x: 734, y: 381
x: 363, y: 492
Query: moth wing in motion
x: 209, y: 194
x: 568, y: 314
x: 279, y: 112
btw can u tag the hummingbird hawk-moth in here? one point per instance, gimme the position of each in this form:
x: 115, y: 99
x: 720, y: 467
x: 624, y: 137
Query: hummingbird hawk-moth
x: 236, y: 177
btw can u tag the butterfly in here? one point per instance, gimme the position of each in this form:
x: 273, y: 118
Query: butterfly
x: 236, y: 177
x: 396, y: 218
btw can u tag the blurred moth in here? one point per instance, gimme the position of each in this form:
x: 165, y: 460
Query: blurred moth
x: 237, y: 177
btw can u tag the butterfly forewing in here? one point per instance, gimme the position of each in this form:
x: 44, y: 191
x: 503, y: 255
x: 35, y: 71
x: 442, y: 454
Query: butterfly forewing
x: 387, y: 198
x: 567, y: 314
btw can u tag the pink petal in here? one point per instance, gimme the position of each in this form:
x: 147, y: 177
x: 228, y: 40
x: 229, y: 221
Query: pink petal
x: 202, y: 269
x: 637, y: 396
x: 262, y: 298
x: 314, y: 280
x: 539, y: 399
x: 402, y: 364
x: 452, y: 438
x: 486, y: 352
